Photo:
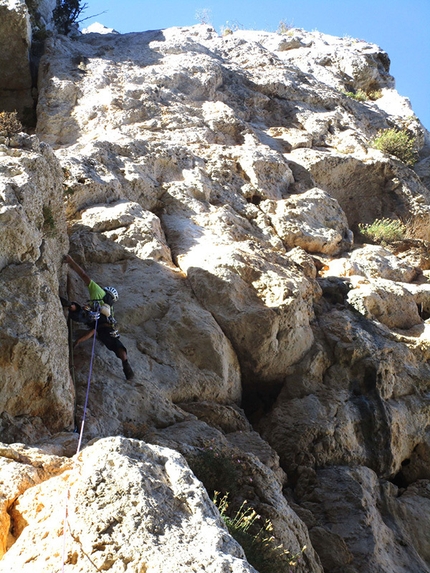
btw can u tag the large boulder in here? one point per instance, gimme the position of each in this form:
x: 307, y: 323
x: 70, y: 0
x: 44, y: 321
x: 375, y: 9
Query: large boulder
x: 128, y: 505
x: 386, y: 301
x: 312, y: 220
x: 375, y: 262
x: 21, y: 468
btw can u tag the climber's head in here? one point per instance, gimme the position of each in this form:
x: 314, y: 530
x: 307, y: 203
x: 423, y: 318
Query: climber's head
x: 111, y: 295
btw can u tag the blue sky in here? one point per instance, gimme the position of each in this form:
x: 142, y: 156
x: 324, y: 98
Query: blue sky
x: 400, y: 27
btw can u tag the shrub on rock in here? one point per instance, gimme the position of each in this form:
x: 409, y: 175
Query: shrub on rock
x: 399, y: 143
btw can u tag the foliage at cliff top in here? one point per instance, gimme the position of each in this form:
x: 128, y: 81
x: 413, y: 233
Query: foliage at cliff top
x: 66, y: 14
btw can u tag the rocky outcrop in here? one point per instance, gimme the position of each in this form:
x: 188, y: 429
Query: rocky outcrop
x: 37, y: 391
x: 15, y: 41
x: 218, y: 184
x: 163, y: 521
x: 352, y: 512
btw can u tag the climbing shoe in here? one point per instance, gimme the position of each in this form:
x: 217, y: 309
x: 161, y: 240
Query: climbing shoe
x: 129, y: 374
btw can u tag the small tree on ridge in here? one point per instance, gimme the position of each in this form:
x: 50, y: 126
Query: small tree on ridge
x: 66, y: 13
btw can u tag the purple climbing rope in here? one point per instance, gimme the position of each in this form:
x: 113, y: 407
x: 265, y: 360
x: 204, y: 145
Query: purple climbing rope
x: 81, y: 433
x: 88, y: 389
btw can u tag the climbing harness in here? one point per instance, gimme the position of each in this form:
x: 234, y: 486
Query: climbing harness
x: 96, y: 316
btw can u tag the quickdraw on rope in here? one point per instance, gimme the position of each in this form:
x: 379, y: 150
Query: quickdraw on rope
x: 96, y: 316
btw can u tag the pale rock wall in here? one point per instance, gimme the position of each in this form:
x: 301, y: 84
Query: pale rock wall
x: 33, y: 349
x: 217, y: 183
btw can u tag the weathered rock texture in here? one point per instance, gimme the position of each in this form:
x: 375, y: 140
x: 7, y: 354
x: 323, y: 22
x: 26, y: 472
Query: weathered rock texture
x: 218, y: 184
x: 129, y: 506
x: 37, y: 390
x: 15, y: 42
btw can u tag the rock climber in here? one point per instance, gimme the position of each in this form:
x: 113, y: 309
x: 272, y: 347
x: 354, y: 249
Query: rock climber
x: 101, y: 301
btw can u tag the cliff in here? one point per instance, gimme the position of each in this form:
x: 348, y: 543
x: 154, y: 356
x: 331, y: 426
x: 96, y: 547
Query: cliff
x: 220, y: 184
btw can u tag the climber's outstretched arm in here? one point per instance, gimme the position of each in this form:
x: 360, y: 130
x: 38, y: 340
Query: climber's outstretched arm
x: 79, y: 270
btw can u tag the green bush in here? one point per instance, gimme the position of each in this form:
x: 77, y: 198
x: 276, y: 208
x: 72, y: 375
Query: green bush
x: 262, y: 550
x: 374, y: 94
x: 397, y: 142
x: 361, y: 95
x: 48, y: 221
x: 66, y: 14
x: 383, y: 231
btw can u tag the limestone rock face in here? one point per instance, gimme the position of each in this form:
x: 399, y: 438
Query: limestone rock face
x: 367, y: 185
x: 388, y: 302
x: 351, y: 397
x: 251, y: 467
x: 41, y: 13
x: 312, y: 220
x: 348, y: 497
x: 163, y: 521
x: 15, y: 40
x: 422, y: 168
x: 33, y: 349
x: 22, y: 468
x: 217, y: 183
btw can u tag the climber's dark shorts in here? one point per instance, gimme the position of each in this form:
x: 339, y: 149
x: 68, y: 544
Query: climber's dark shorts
x: 109, y: 341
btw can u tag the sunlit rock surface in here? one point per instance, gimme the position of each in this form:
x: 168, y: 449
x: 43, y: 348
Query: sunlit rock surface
x: 219, y: 184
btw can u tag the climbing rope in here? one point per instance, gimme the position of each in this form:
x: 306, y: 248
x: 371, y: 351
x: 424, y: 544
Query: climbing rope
x: 88, y: 386
x: 72, y: 370
x: 81, y: 433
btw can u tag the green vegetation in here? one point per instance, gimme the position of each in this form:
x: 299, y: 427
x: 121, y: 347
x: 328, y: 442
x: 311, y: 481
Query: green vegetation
x: 383, y: 231
x: 221, y: 472
x: 361, y: 95
x: 48, y: 221
x: 260, y: 546
x: 66, y: 14
x: 397, y: 142
x: 374, y: 94
x: 9, y: 124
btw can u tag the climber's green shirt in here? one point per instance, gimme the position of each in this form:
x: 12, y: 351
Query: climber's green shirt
x: 96, y: 291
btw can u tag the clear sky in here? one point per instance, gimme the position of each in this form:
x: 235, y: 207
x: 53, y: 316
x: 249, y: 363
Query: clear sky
x: 400, y: 27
